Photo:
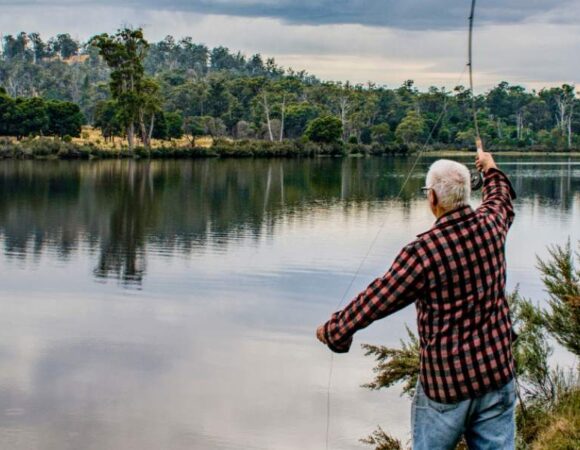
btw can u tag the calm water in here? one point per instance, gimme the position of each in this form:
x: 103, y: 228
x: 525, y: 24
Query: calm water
x: 172, y: 305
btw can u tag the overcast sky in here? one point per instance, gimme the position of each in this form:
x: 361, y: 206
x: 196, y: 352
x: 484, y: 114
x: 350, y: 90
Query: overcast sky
x: 531, y: 42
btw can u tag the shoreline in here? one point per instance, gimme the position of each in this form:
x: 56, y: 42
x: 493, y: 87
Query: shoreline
x: 56, y: 149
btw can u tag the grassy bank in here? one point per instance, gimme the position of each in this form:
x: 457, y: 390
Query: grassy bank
x: 93, y: 146
x: 50, y: 148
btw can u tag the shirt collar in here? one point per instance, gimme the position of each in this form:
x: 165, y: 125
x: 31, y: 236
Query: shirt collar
x: 449, y: 218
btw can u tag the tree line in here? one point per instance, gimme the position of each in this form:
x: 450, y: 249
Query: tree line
x: 35, y: 116
x: 139, y: 90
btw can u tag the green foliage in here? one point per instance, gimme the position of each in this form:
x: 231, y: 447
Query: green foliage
x: 124, y: 53
x: 531, y: 349
x: 174, y: 125
x: 180, y: 76
x: 64, y: 119
x: 382, y: 133
x: 562, y: 281
x: 326, y: 129
x: 194, y: 127
x: 22, y: 117
x: 160, y: 130
x: 30, y: 117
x: 395, y: 365
x: 298, y: 115
x: 107, y: 118
x: 411, y: 129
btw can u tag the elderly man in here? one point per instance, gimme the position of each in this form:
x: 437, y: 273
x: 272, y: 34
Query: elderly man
x: 455, y: 274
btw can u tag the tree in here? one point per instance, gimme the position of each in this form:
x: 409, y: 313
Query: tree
x: 411, y: 129
x: 64, y: 119
x: 65, y: 46
x: 382, y: 133
x: 231, y: 90
x: 39, y: 48
x: 327, y: 129
x: 561, y: 102
x: 218, y: 97
x: 297, y: 117
x: 30, y: 117
x: 6, y: 113
x: 124, y: 53
x: 174, y: 125
x: 222, y: 59
x: 562, y: 280
x: 149, y: 108
x: 107, y: 119
x: 194, y: 127
x: 159, y: 126
x: 16, y: 48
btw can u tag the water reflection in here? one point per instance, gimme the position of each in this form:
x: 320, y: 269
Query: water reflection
x: 150, y: 305
x: 120, y: 209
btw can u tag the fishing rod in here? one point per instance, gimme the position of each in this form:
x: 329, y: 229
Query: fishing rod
x: 476, y: 177
x: 476, y: 184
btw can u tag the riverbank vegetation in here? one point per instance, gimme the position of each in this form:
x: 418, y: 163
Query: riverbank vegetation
x: 135, y: 93
x: 548, y: 411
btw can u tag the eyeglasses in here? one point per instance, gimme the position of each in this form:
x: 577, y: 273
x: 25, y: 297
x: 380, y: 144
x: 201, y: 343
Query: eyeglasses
x: 425, y: 190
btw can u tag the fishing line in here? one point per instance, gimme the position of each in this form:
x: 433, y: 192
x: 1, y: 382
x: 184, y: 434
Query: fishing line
x: 374, y: 241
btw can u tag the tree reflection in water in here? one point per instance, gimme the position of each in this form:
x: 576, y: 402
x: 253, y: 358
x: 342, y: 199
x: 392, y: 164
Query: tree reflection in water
x: 120, y: 210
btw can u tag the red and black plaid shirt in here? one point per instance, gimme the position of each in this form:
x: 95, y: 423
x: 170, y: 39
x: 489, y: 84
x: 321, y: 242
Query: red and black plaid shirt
x: 455, y: 274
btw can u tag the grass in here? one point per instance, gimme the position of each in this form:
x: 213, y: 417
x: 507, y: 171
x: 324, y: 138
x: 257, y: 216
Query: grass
x: 93, y: 136
x: 559, y: 427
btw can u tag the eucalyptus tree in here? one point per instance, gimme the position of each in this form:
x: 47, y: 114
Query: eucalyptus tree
x: 149, y: 109
x: 64, y: 45
x: 124, y: 53
x: 562, y: 102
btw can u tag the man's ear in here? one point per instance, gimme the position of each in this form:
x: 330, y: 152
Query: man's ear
x: 433, y: 197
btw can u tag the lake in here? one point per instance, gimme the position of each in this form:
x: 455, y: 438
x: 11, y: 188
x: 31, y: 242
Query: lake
x: 173, y: 304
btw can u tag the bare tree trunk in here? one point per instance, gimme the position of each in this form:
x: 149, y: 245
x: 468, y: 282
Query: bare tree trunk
x: 343, y: 111
x: 561, y: 117
x: 151, y: 126
x: 131, y: 136
x: 143, y: 129
x: 570, y: 129
x: 267, y: 110
x: 283, y: 117
x: 520, y: 125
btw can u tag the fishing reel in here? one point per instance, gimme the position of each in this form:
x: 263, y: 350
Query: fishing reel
x: 476, y: 180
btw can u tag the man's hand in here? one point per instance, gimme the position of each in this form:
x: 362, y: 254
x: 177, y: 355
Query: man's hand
x: 320, y: 334
x: 483, y: 160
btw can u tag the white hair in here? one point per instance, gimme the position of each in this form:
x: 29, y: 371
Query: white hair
x: 451, y: 182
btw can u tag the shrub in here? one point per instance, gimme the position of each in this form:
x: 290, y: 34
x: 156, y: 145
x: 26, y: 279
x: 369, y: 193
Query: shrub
x: 326, y: 129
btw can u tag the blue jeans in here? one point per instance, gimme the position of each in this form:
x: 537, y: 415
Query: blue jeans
x: 487, y: 422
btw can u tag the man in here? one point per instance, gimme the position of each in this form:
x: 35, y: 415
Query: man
x: 455, y: 274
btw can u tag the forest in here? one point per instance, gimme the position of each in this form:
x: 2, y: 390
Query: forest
x: 130, y: 88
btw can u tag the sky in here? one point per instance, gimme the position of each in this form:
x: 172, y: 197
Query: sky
x: 535, y: 43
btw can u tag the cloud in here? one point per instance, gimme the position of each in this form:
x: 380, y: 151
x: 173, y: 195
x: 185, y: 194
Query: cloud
x: 535, y: 52
x: 403, y: 14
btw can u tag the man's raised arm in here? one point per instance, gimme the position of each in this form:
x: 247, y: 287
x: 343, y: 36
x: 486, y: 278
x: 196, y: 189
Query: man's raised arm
x: 498, y: 192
